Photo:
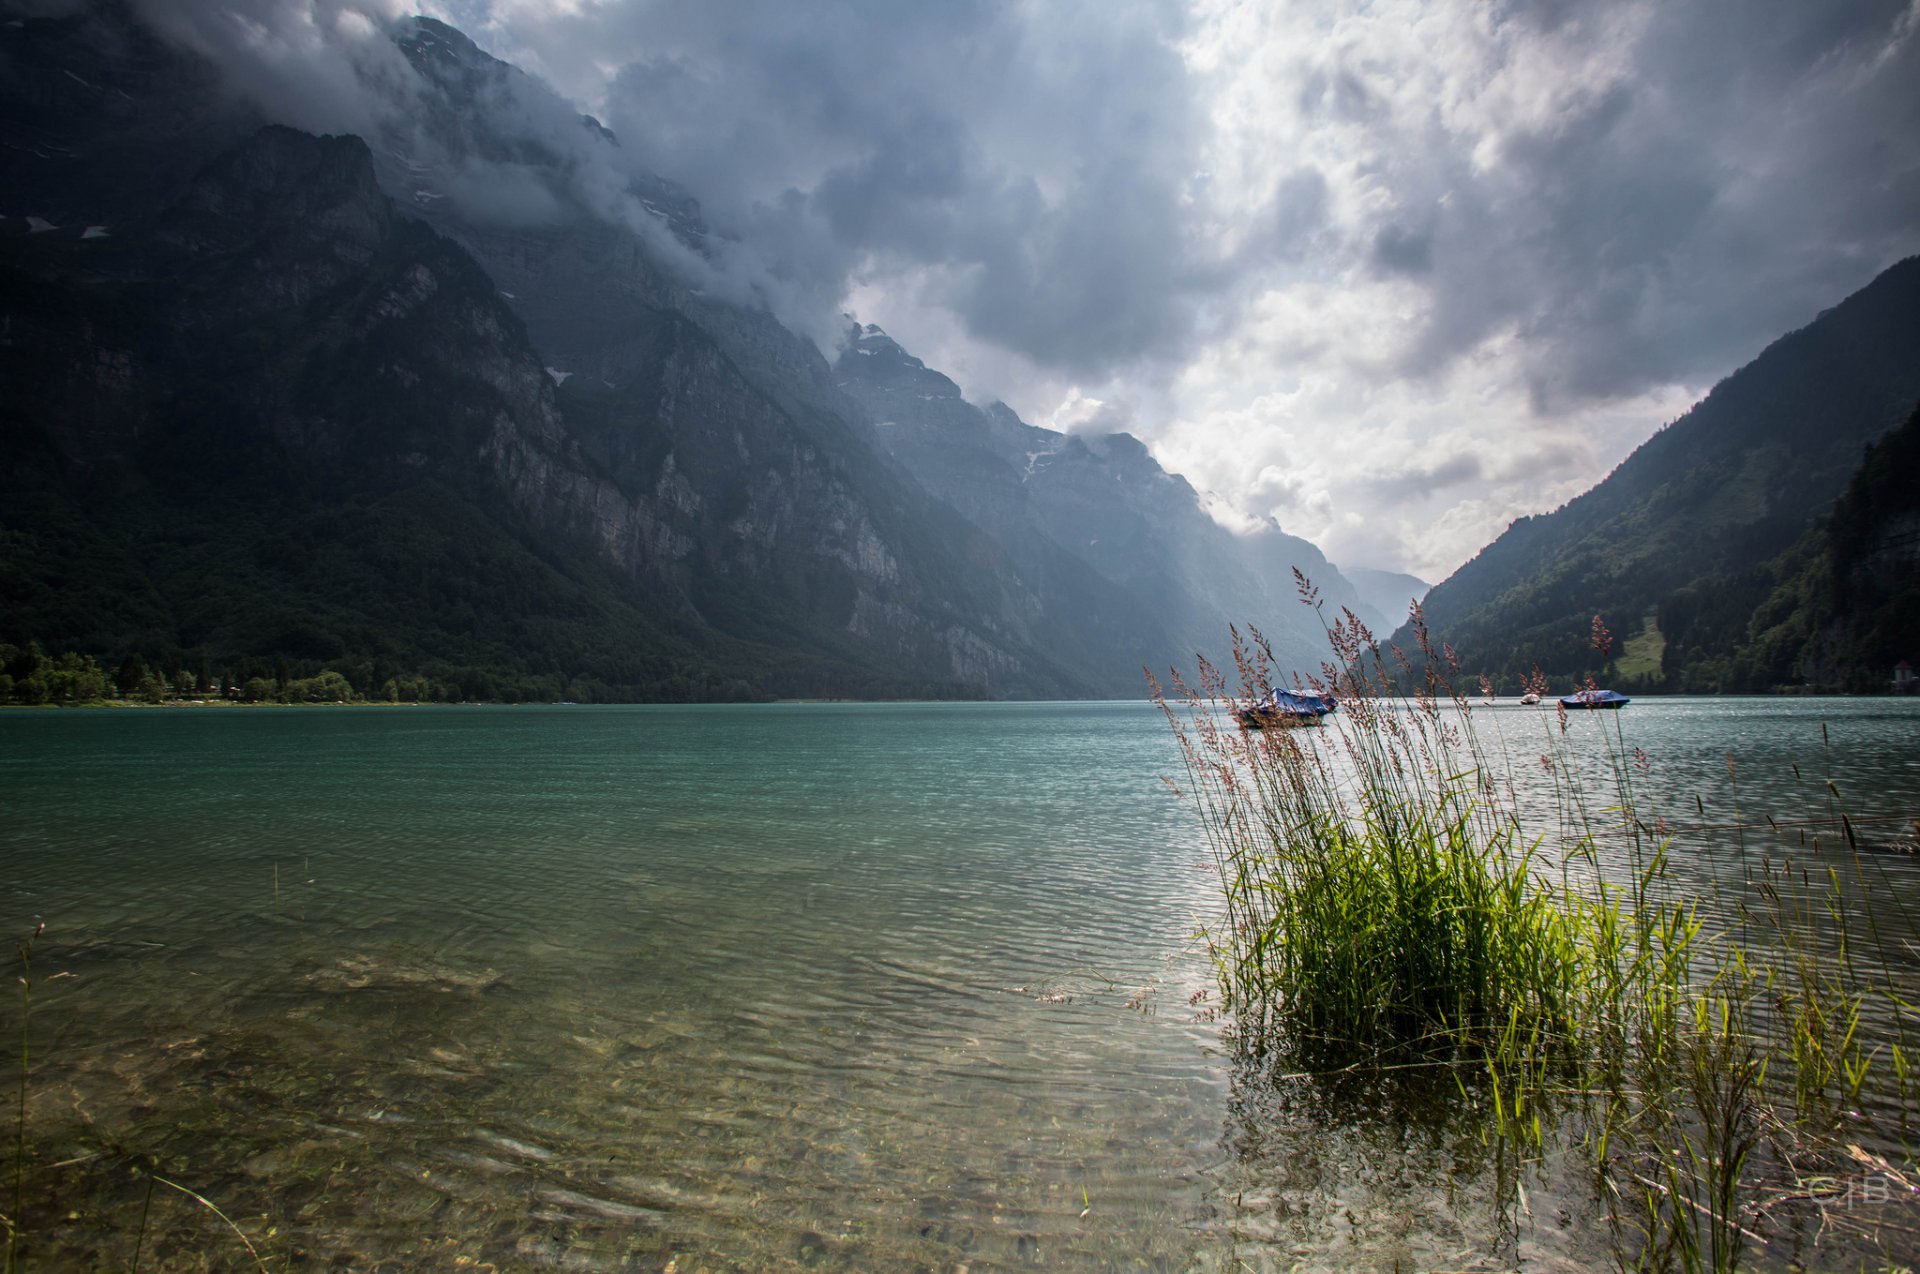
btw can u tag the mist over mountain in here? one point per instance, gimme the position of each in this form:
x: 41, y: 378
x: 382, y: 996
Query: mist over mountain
x: 1091, y: 502
x: 466, y: 397
x: 1384, y: 596
x: 1681, y: 548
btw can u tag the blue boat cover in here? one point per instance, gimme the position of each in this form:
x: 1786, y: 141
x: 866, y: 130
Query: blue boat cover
x: 1595, y: 699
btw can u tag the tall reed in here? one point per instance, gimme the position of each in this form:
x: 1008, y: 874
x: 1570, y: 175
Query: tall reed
x: 16, y: 1219
x: 1388, y: 902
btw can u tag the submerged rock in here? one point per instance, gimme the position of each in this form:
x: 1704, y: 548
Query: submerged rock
x: 812, y: 1249
x: 365, y: 973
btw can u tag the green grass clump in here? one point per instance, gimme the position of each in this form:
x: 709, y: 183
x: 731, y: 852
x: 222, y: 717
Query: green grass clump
x: 1401, y: 923
x: 1378, y: 891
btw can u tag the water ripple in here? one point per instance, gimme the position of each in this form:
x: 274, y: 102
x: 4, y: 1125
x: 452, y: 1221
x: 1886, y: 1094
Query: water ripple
x: 779, y: 987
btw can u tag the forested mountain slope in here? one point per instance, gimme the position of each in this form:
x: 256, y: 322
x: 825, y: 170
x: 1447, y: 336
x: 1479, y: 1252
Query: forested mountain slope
x: 1839, y: 611
x: 276, y: 422
x: 1689, y: 521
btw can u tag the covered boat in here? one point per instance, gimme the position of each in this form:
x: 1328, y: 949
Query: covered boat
x: 1595, y: 699
x: 1281, y: 709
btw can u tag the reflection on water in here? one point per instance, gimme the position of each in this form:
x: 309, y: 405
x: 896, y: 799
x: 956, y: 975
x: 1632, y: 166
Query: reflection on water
x: 837, y: 987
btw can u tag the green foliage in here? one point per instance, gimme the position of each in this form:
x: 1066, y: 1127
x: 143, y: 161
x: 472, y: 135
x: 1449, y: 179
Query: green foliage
x: 1377, y: 891
x: 1835, y: 612
x: 1641, y: 656
x: 1693, y: 526
x: 31, y: 677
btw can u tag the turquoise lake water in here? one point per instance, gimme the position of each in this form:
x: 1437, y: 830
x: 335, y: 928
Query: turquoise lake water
x: 793, y: 986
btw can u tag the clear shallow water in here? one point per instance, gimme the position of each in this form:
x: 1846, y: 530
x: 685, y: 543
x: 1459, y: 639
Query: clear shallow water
x: 737, y: 987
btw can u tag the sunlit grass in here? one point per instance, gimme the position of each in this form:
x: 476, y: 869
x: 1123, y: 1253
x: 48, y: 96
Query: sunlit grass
x: 1642, y: 655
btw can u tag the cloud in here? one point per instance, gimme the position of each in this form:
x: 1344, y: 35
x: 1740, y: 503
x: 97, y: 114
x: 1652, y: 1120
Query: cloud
x: 1422, y: 478
x: 502, y: 145
x: 1548, y: 226
x: 506, y: 195
x: 1332, y: 240
x: 1027, y: 167
x: 310, y: 62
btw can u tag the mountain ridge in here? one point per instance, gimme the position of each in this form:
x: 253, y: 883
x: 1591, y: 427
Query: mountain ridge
x: 1098, y: 499
x: 1730, y: 485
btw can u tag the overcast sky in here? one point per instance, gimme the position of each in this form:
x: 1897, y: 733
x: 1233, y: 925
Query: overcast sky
x: 1391, y: 273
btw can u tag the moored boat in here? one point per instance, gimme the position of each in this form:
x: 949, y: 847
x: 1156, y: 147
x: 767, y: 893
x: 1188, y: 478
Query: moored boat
x: 1594, y: 699
x: 1283, y: 710
x: 1530, y: 698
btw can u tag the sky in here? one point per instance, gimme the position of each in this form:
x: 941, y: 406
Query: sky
x: 1389, y: 273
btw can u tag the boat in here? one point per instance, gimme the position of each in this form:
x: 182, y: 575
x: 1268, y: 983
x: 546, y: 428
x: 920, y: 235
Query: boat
x: 1595, y: 699
x: 1283, y: 710
x: 1530, y: 698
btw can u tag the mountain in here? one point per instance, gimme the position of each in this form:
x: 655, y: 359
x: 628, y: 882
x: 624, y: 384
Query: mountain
x: 1094, y: 505
x: 1105, y: 604
x: 274, y: 421
x: 1673, y: 548
x: 1839, y: 610
x: 472, y: 402
x: 264, y: 416
x: 601, y: 303
x: 1384, y: 596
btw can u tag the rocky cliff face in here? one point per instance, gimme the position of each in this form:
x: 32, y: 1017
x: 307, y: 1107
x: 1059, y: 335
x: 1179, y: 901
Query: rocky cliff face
x: 275, y: 315
x: 281, y: 285
x: 604, y: 311
x: 103, y: 121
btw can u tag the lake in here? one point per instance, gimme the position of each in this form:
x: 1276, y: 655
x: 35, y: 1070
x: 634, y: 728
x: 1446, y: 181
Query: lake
x: 746, y: 987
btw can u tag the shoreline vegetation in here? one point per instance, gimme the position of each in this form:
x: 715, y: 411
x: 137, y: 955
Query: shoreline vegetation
x: 141, y: 705
x: 30, y: 678
x: 1405, y: 913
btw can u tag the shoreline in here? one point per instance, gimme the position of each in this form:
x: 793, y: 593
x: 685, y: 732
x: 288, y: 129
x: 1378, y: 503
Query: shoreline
x: 224, y: 704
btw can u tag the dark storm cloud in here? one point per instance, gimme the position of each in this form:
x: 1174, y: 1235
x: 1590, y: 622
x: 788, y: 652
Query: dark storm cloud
x: 1758, y: 162
x: 513, y: 153
x: 1749, y: 165
x: 310, y: 63
x: 1030, y: 162
x: 1036, y: 171
x: 1397, y: 250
